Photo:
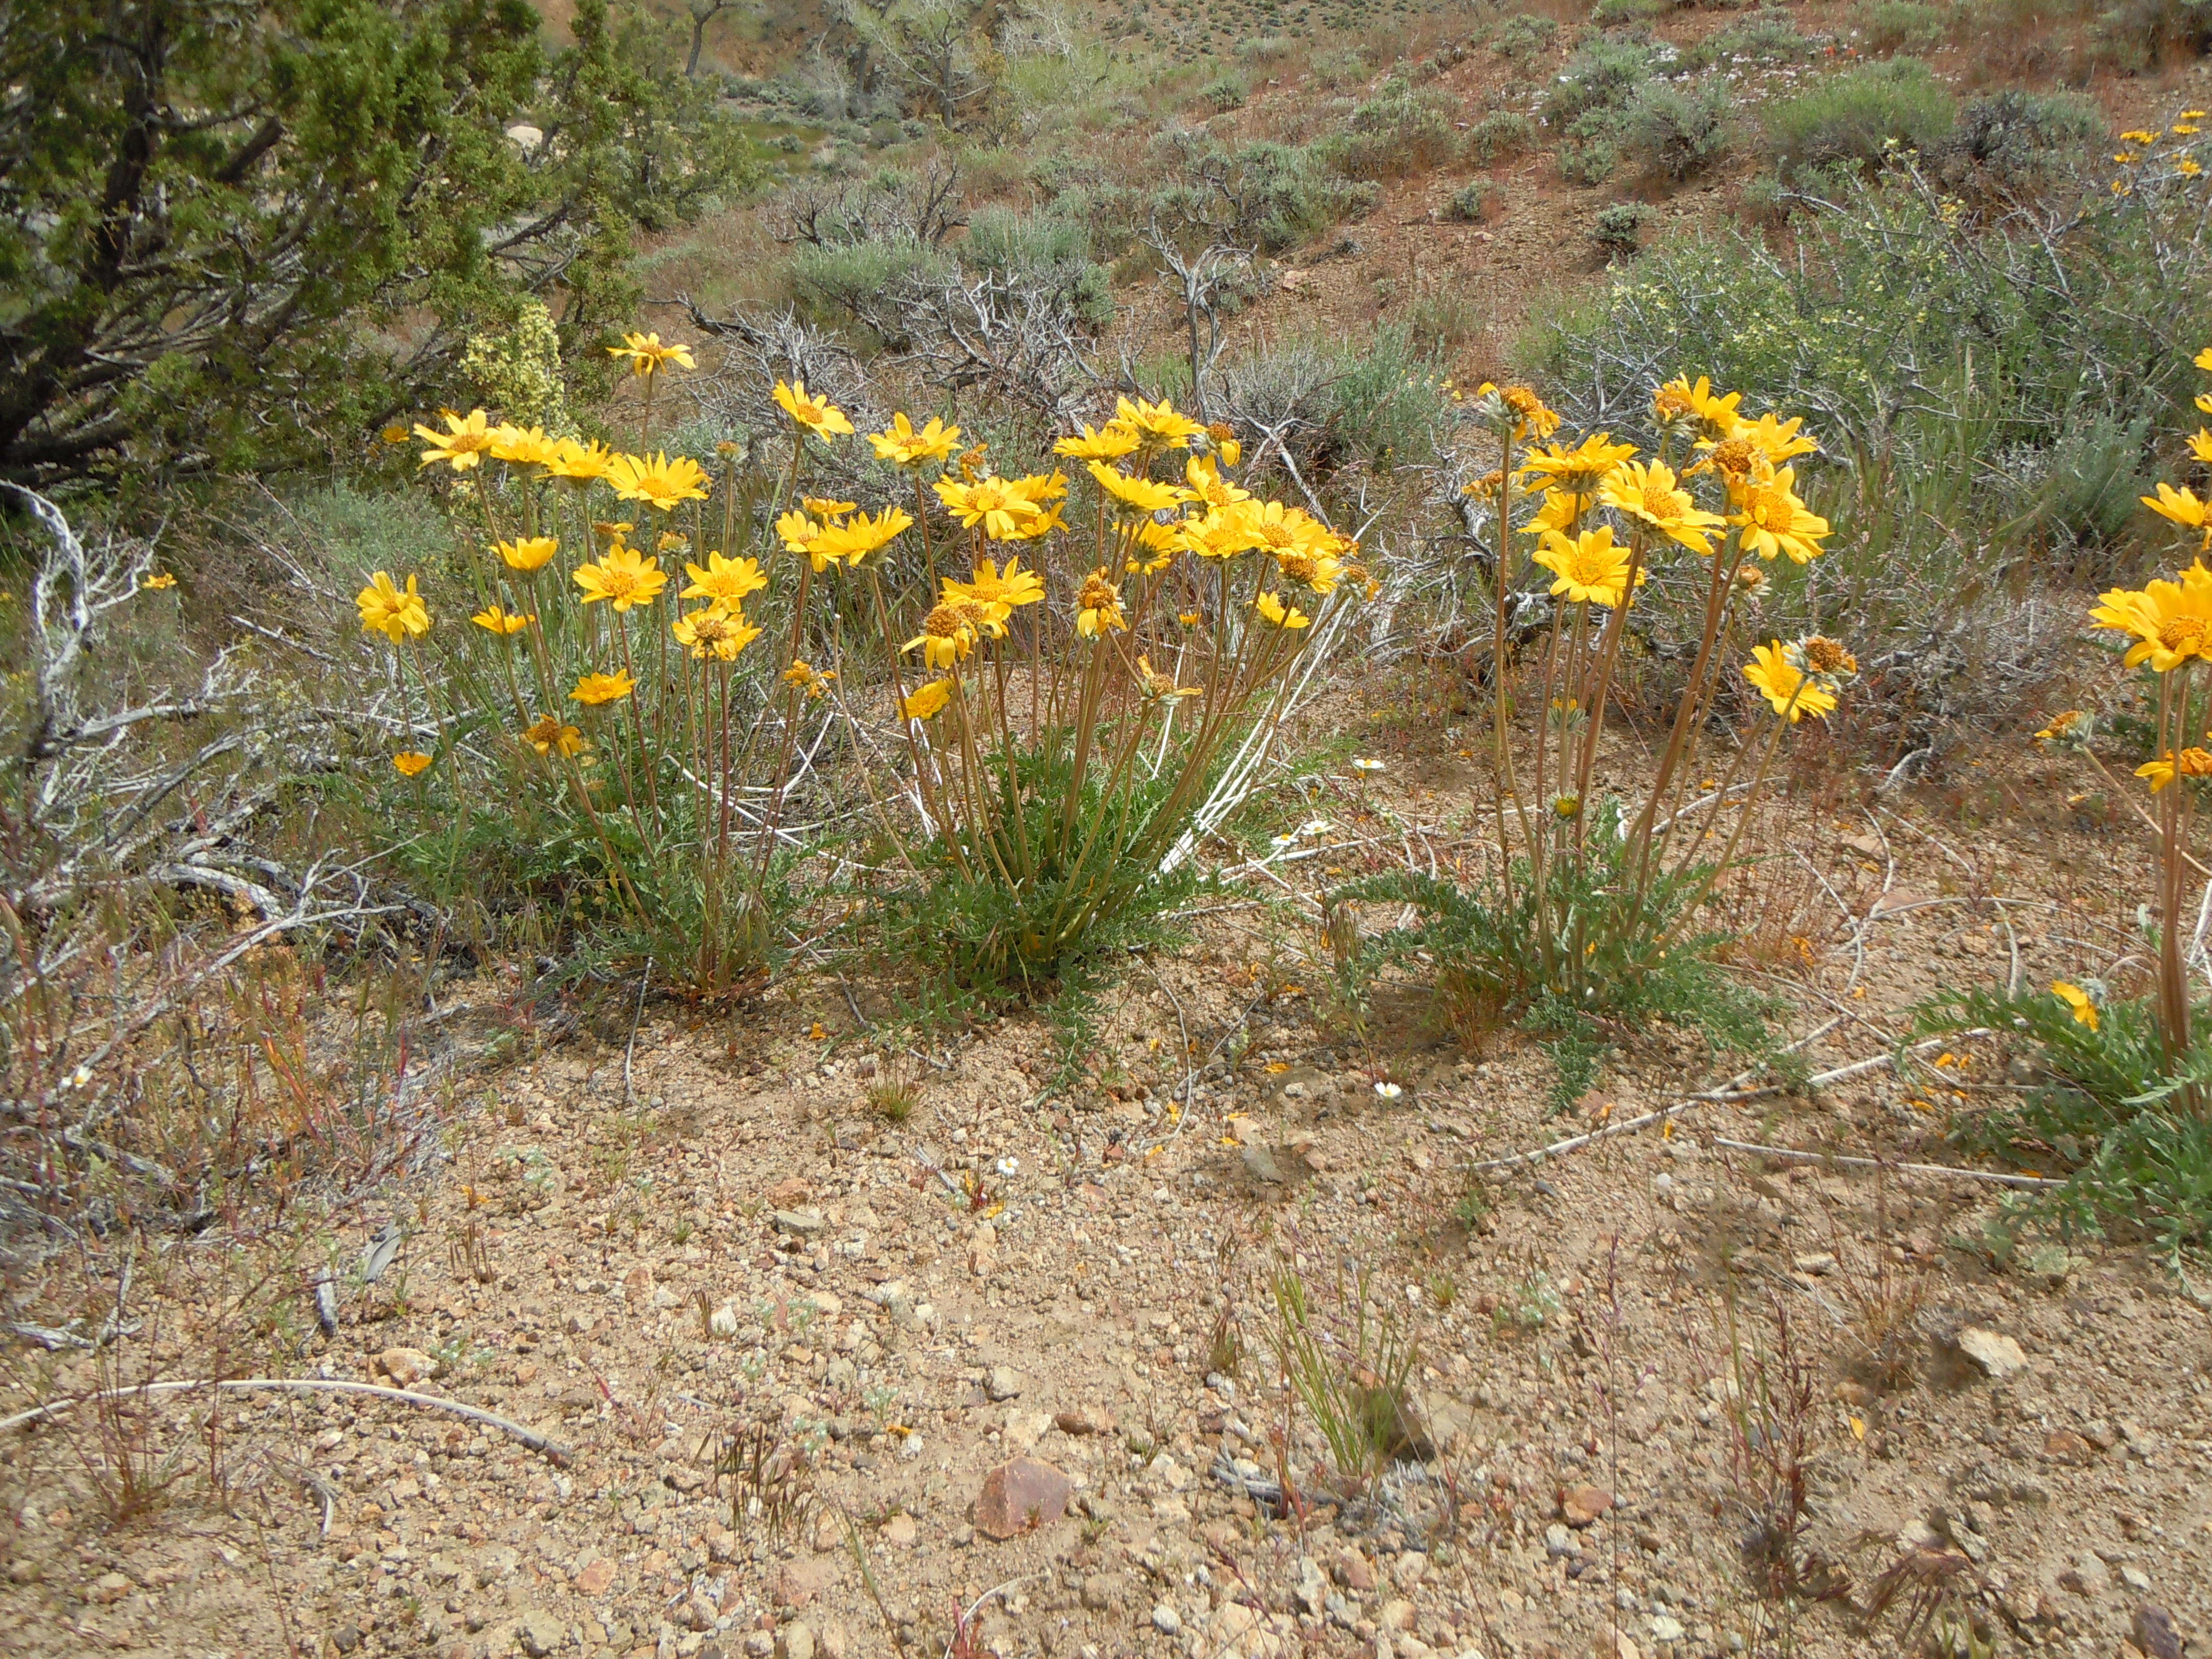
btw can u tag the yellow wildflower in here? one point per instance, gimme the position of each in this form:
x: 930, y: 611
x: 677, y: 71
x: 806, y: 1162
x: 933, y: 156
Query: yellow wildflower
x: 657, y: 481
x: 714, y: 632
x: 903, y: 447
x: 531, y: 553
x: 1110, y: 443
x: 2171, y: 621
x: 492, y: 620
x: 923, y: 702
x: 411, y: 763
x: 392, y: 611
x: 810, y: 414
x: 581, y: 463
x: 623, y: 577
x: 1591, y: 567
x: 1788, y: 691
x: 1650, y: 495
x: 549, y: 734
x: 1578, y: 469
x: 856, y: 539
x: 1002, y: 511
x: 1158, y: 426
x: 2085, y: 1011
x: 1773, y: 520
x: 159, y: 581
x: 594, y: 690
x: 1271, y: 606
x: 1098, y: 607
x: 462, y: 445
x: 725, y: 582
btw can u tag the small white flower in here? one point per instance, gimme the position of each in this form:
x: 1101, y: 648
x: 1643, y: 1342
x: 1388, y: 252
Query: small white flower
x: 1389, y: 1091
x: 1278, y: 842
x: 1010, y: 1166
x: 1365, y: 765
x: 78, y: 1078
x: 1315, y: 829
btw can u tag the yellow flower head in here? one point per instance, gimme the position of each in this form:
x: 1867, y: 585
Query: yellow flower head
x: 1223, y: 532
x: 648, y: 357
x: 1110, y: 442
x: 522, y: 445
x: 2189, y: 763
x: 1773, y: 520
x: 1825, y: 659
x: 714, y: 632
x: 1000, y: 508
x: 2068, y: 728
x: 1788, y: 691
x: 623, y: 577
x: 2138, y: 136
x: 827, y: 509
x: 548, y: 734
x: 1271, y: 606
x: 1157, y: 426
x: 1589, y: 568
x: 160, y: 581
x: 859, y: 538
x: 724, y: 581
x: 818, y: 416
x: 531, y: 553
x: 463, y: 444
x: 1202, y: 473
x: 1098, y: 607
x: 1578, y: 469
x: 2171, y: 621
x: 801, y: 534
x: 581, y: 463
x: 657, y: 481
x: 1712, y: 413
x: 923, y: 702
x: 2200, y: 446
x: 392, y: 611
x: 1136, y: 497
x: 948, y: 632
x: 2183, y: 508
x: 2203, y: 360
x: 804, y: 674
x: 997, y: 593
x: 411, y: 763
x: 1778, y: 440
x: 594, y: 690
x: 1560, y: 511
x: 1223, y: 437
x: 903, y: 447
x: 2085, y: 1011
x: 492, y: 620
x: 1650, y: 495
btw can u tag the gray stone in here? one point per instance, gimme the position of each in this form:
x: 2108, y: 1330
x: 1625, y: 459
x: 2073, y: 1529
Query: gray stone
x: 1005, y: 1383
x: 345, y: 1638
x: 1665, y: 1628
x: 803, y: 1223
x: 1997, y: 1354
x: 540, y: 1634
x: 1313, y: 1587
x: 1104, y: 1591
x: 795, y: 1641
x: 2155, y: 1634
x: 1166, y: 1620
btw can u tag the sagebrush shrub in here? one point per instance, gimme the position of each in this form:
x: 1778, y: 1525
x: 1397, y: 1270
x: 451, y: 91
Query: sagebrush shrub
x: 1400, y: 129
x: 1852, y: 119
x: 1468, y: 201
x: 1619, y: 229
x: 1674, y: 131
x: 1904, y: 26
x: 1499, y: 136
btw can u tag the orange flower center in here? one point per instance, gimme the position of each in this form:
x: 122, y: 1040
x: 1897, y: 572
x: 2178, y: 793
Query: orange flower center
x: 2182, y: 636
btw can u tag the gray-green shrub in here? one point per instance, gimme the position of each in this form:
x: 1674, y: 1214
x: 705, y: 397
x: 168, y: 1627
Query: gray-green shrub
x: 1906, y: 26
x: 1850, y: 120
x: 1400, y: 129
x: 1597, y: 80
x: 1619, y: 229
x: 1522, y: 36
x: 1501, y: 134
x: 1765, y: 37
x: 2024, y: 137
x: 1674, y: 131
x: 1468, y: 201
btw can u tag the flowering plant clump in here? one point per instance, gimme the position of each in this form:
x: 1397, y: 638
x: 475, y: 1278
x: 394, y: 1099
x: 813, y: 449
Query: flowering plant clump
x: 641, y: 645
x: 1585, y: 915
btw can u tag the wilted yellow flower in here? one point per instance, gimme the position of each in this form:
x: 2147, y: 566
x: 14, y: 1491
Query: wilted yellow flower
x: 1162, y: 687
x: 948, y: 632
x: 903, y: 447
x: 1788, y: 691
x: 624, y: 576
x: 411, y: 763
x: 158, y: 582
x: 533, y: 553
x: 492, y: 620
x: 1271, y: 606
x: 397, y: 433
x: 593, y: 691
x: 1589, y: 568
x: 1515, y: 409
x: 803, y: 673
x: 581, y: 463
x: 2171, y: 621
x: 648, y: 357
x: 816, y: 415
x: 462, y: 445
x: 1223, y: 437
x: 1578, y: 469
x: 657, y: 481
x: 2065, y: 727
x: 1650, y: 494
x: 714, y: 632
x: 725, y: 582
x: 549, y: 734
x: 2085, y: 1011
x: 923, y: 702
x: 1715, y: 414
x: 1773, y: 520
x: 1098, y: 606
x: 523, y: 445
x: 1818, y: 654
x: 392, y: 611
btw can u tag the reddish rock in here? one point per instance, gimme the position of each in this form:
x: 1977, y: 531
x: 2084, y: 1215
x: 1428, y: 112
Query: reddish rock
x: 2065, y: 1446
x: 1090, y: 1420
x: 597, y: 1579
x: 1018, y: 1495
x: 789, y: 1192
x: 801, y: 1581
x: 1582, y: 1505
x: 1355, y: 1571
